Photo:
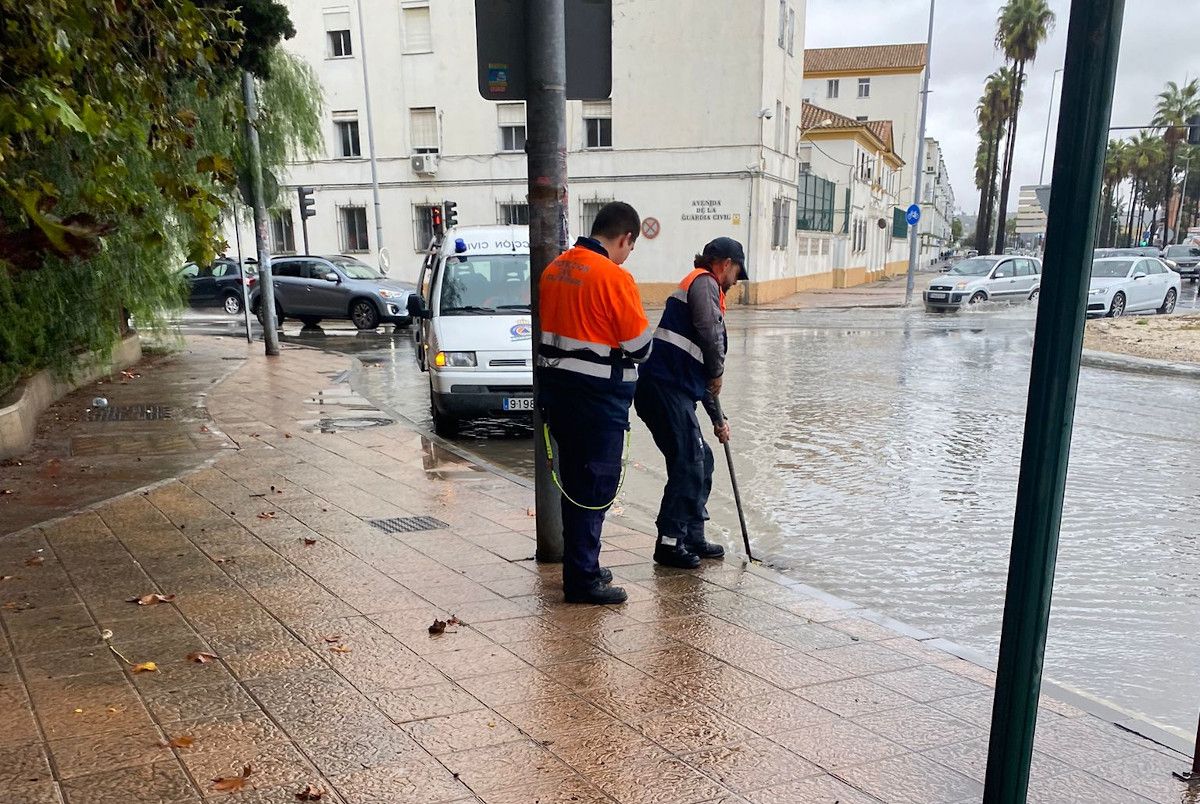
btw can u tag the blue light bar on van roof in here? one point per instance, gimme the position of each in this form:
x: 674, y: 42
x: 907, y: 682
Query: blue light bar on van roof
x: 460, y: 246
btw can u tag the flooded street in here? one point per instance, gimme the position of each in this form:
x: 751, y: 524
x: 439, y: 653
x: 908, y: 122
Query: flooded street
x: 878, y: 452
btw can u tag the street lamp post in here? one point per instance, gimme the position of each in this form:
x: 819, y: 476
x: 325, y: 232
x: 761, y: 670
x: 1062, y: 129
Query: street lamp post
x: 913, y: 235
x: 1049, y: 112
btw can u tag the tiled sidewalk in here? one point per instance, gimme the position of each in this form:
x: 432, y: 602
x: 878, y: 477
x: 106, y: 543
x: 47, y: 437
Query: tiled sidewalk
x: 729, y: 685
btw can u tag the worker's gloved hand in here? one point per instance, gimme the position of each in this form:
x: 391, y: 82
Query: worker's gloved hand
x: 714, y: 386
x: 722, y: 431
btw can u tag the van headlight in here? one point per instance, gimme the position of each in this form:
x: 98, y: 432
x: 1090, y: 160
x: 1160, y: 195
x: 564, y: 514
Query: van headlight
x: 454, y: 359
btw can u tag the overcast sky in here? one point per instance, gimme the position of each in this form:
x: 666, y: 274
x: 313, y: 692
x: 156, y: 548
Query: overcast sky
x: 1155, y: 48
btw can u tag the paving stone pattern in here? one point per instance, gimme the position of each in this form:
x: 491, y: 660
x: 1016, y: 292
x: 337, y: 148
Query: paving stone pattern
x: 731, y: 684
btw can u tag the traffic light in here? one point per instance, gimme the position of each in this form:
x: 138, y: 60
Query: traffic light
x: 308, y: 204
x: 451, y: 214
x: 435, y: 220
x: 1193, y: 136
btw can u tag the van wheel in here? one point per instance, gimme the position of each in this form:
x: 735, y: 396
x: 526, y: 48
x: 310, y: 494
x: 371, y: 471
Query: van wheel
x: 443, y: 424
x: 364, y: 315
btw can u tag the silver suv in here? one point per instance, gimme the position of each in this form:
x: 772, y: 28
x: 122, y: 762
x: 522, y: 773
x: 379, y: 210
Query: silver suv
x: 980, y: 279
x: 314, y: 288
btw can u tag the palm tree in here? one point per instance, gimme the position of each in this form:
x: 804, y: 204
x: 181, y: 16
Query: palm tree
x: 992, y: 113
x: 1176, y: 105
x: 1115, y: 159
x: 1021, y: 27
x: 1145, y: 157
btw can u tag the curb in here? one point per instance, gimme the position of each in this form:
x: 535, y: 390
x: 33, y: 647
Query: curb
x: 1139, y: 365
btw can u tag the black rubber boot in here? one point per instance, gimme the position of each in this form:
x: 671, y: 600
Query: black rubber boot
x: 599, y: 593
x: 706, y: 549
x: 673, y: 553
x: 606, y: 575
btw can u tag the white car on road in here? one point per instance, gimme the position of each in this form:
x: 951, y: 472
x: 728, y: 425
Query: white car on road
x: 1123, y: 285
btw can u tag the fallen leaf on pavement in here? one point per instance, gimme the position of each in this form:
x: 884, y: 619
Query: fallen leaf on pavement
x: 309, y: 542
x: 232, y: 784
x: 254, y: 435
x: 267, y: 515
x: 35, y: 561
x: 332, y: 638
x: 79, y: 711
x: 6, y: 491
x: 182, y: 741
x: 311, y: 793
x: 224, y: 561
x: 438, y: 627
x: 204, y: 428
x: 287, y: 435
x: 454, y: 621
x: 340, y: 649
x: 17, y: 605
x: 151, y: 599
x: 145, y: 667
x: 200, y: 657
x: 6, y: 577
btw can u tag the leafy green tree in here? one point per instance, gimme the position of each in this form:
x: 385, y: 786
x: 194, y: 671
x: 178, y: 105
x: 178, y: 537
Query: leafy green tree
x: 1176, y: 105
x: 119, y: 144
x: 992, y: 113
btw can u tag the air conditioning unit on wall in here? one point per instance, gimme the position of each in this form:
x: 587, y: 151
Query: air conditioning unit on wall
x: 426, y: 164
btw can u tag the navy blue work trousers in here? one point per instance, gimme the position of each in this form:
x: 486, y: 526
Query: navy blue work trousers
x: 589, y: 457
x: 670, y: 414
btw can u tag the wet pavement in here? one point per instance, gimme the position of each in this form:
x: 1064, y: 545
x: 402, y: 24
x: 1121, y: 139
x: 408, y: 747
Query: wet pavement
x: 294, y: 648
x: 878, y: 452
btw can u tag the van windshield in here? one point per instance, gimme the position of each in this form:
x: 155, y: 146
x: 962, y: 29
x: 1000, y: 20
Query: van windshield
x: 485, y: 284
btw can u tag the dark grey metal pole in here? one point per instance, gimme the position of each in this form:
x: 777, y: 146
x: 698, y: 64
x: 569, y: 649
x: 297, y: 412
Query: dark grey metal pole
x: 546, y: 147
x: 914, y: 234
x: 266, y: 294
x: 1093, y: 40
x: 304, y: 219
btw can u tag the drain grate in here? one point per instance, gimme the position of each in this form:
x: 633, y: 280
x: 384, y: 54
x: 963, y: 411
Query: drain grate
x: 129, y: 413
x: 408, y: 524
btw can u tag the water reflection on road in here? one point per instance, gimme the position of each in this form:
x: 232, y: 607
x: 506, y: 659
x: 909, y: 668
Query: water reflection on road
x: 878, y: 455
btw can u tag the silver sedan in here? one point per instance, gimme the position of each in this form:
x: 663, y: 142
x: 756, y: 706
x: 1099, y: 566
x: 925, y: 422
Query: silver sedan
x: 981, y: 279
x: 1123, y: 285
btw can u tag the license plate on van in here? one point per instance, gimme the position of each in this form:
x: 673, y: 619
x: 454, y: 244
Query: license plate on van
x: 518, y: 403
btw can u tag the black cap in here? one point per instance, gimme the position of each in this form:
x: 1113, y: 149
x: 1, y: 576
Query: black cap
x: 726, y: 248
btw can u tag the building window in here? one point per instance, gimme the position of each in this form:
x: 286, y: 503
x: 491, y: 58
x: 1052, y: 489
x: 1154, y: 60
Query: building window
x: 864, y: 87
x: 588, y: 214
x: 787, y: 130
x: 791, y: 32
x: 831, y: 88
x: 423, y: 130
x: 781, y: 220
x: 512, y: 126
x: 514, y: 214
x: 815, y: 206
x: 418, y: 31
x: 339, y: 44
x: 337, y: 33
x: 597, y: 123
x: 353, y: 229
x: 783, y: 18
x: 778, y: 125
x: 423, y: 225
x: 283, y: 233
x: 347, y: 137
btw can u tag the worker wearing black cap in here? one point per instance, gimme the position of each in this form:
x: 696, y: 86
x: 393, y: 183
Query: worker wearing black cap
x: 686, y: 367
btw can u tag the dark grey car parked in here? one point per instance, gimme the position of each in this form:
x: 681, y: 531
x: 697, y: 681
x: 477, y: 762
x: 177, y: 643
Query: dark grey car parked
x: 315, y: 288
x: 217, y: 285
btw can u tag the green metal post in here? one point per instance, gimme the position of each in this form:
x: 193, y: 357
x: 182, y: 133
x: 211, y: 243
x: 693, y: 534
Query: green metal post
x: 1093, y: 39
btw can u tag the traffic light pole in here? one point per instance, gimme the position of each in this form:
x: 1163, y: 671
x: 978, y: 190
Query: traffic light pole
x: 914, y: 234
x: 266, y: 294
x: 1093, y: 39
x: 546, y: 146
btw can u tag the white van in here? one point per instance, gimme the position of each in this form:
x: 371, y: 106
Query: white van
x: 474, y: 332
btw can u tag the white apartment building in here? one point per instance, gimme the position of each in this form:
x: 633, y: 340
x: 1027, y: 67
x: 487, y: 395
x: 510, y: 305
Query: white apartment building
x: 700, y: 135
x: 877, y: 82
x: 853, y: 163
x: 937, y: 204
